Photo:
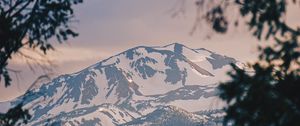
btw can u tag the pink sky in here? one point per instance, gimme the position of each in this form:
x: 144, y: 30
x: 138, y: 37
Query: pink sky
x: 107, y: 27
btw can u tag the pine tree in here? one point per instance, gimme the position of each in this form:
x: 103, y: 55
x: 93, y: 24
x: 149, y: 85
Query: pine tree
x: 271, y: 95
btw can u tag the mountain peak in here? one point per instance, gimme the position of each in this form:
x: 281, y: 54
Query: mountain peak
x: 176, y: 47
x: 136, y: 81
x: 174, y: 44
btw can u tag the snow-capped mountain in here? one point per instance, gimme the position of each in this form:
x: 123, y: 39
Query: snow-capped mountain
x: 131, y: 87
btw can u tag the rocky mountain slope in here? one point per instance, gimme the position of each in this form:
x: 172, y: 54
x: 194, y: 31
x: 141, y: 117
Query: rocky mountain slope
x: 139, y: 86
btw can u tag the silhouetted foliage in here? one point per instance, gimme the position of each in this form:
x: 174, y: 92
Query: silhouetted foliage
x: 15, y: 116
x: 271, y: 95
x: 32, y: 23
x: 218, y: 21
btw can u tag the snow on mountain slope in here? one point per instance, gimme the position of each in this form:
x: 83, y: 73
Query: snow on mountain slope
x: 105, y: 114
x: 136, y: 81
x: 168, y: 116
x: 174, y: 116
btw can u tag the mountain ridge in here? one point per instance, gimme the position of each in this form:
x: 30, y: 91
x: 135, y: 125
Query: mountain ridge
x: 137, y: 81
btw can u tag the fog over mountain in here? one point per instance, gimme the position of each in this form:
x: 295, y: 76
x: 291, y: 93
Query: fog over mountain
x: 167, y: 85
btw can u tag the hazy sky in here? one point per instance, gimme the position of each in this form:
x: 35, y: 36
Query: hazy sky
x: 107, y: 27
